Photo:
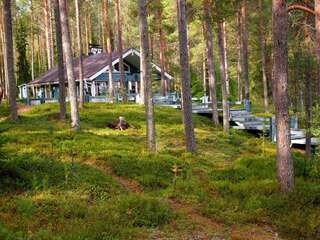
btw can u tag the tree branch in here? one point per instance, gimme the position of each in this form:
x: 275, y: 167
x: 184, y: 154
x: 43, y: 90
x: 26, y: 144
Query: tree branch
x: 305, y: 8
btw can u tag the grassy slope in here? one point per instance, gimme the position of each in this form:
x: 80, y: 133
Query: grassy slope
x: 103, y: 184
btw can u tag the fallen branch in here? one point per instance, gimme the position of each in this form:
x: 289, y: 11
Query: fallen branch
x: 305, y: 8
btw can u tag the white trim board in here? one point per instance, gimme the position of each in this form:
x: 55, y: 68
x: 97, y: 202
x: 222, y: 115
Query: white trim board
x: 126, y: 54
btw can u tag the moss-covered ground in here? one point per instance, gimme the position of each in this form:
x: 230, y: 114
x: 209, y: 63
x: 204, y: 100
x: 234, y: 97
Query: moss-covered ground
x: 100, y: 183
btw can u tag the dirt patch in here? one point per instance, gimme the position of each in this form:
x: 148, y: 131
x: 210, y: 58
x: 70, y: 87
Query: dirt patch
x: 193, y: 215
x: 179, y: 207
x: 128, y: 184
x: 203, y: 223
x: 23, y: 108
x: 253, y: 232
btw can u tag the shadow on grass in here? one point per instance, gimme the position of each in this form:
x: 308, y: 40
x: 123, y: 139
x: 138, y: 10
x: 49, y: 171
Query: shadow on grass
x: 33, y: 172
x: 247, y: 192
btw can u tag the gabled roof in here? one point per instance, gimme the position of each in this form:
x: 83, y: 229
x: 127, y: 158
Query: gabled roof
x: 93, y: 66
x: 129, y: 55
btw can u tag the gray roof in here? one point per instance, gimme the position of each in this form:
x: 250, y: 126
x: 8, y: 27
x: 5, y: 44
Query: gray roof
x: 91, y: 64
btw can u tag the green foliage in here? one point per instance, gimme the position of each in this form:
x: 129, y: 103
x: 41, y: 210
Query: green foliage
x: 59, y: 184
x: 197, y: 85
x: 6, y: 234
x: 23, y: 67
x: 316, y: 120
x: 151, y: 171
x: 25, y: 207
x: 4, y: 110
x: 144, y: 212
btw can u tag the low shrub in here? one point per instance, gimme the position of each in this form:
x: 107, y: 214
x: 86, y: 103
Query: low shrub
x: 152, y: 171
x: 144, y: 211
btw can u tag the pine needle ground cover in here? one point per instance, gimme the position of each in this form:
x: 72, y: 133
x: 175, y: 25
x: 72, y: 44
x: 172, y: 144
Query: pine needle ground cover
x: 101, y: 183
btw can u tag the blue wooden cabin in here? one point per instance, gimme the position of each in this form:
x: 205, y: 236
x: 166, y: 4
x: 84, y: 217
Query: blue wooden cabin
x: 96, y: 77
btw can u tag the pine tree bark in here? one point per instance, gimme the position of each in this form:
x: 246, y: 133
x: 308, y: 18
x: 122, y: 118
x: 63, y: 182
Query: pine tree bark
x: 223, y: 67
x: 308, y: 105
x: 185, y: 75
x: 308, y: 88
x: 2, y: 77
x: 164, y: 83
x: 120, y: 52
x: 48, y: 33
x: 2, y: 60
x: 86, y: 28
x: 10, y: 59
x: 204, y: 72
x: 263, y: 56
x: 146, y: 75
x: 225, y: 44
x: 32, y: 38
x: 67, y: 50
x: 151, y: 39
x: 317, y: 41
x: 239, y: 57
x: 142, y: 84
x: 62, y: 82
x: 101, y: 26
x: 79, y: 43
x: 244, y: 42
x: 90, y: 28
x: 108, y: 47
x: 210, y: 60
x: 280, y: 91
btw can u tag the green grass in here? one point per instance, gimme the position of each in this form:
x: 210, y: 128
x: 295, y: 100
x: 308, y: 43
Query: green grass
x: 4, y: 110
x: 58, y: 184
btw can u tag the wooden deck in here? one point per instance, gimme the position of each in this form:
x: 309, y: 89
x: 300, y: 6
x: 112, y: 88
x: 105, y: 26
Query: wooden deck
x: 247, y: 121
x: 243, y: 120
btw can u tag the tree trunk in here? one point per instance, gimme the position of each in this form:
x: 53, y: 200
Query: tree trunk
x: 108, y: 47
x: 2, y: 50
x: 308, y: 105
x: 101, y: 27
x: 120, y: 52
x: 2, y: 70
x: 73, y: 37
x: 204, y: 73
x: 10, y: 59
x: 263, y: 56
x: 90, y: 27
x: 32, y: 39
x: 164, y: 83
x: 79, y: 43
x: 42, y: 53
x: 239, y: 57
x: 308, y: 87
x: 67, y: 50
x: 223, y: 67
x: 317, y: 41
x: 86, y: 28
x: 151, y: 39
x: 49, y: 48
x: 210, y: 58
x: 225, y: 44
x: 280, y: 89
x: 62, y: 82
x: 244, y: 36
x: 37, y: 55
x: 142, y: 84
x: 3, y: 40
x: 146, y: 75
x: 185, y: 75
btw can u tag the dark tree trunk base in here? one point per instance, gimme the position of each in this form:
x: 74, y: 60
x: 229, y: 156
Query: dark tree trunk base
x: 121, y: 124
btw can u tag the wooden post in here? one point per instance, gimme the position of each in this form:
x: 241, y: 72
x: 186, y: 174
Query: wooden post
x: 93, y: 89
